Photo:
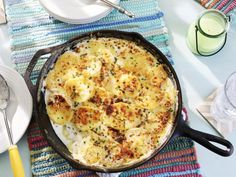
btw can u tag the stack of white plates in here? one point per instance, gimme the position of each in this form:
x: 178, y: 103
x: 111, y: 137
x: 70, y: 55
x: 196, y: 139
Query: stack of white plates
x: 77, y: 11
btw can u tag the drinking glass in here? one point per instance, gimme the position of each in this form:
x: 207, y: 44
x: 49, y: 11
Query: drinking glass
x: 224, y: 104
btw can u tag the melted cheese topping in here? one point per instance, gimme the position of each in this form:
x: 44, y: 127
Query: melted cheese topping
x: 118, y: 99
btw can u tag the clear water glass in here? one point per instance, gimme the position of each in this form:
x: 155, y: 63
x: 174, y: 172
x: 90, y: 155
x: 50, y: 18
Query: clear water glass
x: 224, y: 104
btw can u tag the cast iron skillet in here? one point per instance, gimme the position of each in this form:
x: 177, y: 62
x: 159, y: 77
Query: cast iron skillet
x: 180, y: 128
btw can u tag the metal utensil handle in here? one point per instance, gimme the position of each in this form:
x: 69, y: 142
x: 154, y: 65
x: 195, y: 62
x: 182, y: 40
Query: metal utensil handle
x: 7, y: 127
x: 119, y: 8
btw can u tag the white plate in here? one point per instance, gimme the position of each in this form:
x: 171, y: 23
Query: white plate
x: 77, y: 11
x: 19, y: 110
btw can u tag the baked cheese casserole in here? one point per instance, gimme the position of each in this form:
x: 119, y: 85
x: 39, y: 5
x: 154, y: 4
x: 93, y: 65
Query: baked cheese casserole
x: 115, y: 102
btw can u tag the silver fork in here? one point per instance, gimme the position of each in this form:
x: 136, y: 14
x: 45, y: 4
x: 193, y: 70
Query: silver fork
x: 119, y: 8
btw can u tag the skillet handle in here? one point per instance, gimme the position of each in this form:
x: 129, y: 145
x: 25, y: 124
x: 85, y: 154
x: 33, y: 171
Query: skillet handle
x: 206, y: 140
x: 33, y: 62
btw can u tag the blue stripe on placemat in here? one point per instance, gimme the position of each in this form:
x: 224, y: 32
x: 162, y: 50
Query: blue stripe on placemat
x: 168, y: 174
x: 92, y: 26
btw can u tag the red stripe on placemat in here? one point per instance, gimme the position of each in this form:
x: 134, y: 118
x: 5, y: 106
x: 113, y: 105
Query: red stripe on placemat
x: 35, y: 131
x: 165, y: 162
x: 37, y: 142
x: 213, y: 3
x: 77, y: 173
x: 189, y: 175
x: 227, y: 5
x: 38, y: 145
x: 176, y: 168
x: 204, y: 2
x: 174, y: 154
x: 222, y: 4
x: 36, y: 138
x: 230, y: 7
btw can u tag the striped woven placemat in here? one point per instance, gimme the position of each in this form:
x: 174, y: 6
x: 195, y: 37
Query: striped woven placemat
x: 31, y: 29
x: 177, y: 159
x: 226, y: 6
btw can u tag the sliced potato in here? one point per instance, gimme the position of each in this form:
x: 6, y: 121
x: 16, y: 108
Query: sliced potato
x: 87, y: 117
x: 122, y: 116
x: 79, y: 89
x: 66, y: 61
x: 129, y: 85
x: 58, y: 109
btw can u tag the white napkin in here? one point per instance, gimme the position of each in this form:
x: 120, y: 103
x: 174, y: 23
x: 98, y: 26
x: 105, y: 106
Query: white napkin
x: 223, y: 127
x: 2, y: 13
